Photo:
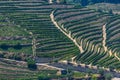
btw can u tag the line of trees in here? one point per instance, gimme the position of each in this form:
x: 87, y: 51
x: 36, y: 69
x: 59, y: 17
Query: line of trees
x: 86, y: 2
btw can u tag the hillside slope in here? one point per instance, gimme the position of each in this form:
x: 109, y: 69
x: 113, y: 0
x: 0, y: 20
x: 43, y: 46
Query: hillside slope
x: 106, y: 7
x: 33, y: 17
x: 35, y: 29
x: 89, y: 29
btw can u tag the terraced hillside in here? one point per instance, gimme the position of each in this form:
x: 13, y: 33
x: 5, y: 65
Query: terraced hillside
x: 113, y: 33
x: 28, y: 22
x: 89, y: 29
x: 37, y: 29
x: 13, y: 40
x: 34, y: 18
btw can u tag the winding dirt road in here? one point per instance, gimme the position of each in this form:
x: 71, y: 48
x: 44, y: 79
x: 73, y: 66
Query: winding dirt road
x: 104, y: 37
x: 104, y: 43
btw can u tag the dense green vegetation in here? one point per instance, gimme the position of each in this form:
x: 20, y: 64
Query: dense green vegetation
x: 13, y: 39
x: 31, y: 64
x: 36, y: 22
x: 77, y: 22
x: 27, y: 32
x: 21, y: 72
x: 87, y: 2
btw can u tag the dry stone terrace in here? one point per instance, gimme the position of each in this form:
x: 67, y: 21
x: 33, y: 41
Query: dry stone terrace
x: 84, y: 27
x: 113, y: 33
x: 92, y: 42
x: 25, y: 16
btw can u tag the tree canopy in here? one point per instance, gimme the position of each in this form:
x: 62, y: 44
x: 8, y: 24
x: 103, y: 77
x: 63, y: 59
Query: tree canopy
x: 86, y: 2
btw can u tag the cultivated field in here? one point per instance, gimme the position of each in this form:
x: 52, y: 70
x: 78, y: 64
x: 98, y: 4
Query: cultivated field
x: 37, y: 29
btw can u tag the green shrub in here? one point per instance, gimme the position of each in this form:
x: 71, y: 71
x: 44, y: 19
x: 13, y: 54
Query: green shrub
x: 4, y: 46
x: 31, y: 64
x: 17, y: 46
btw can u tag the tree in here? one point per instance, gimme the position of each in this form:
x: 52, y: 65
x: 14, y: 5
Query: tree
x: 112, y: 68
x: 17, y: 46
x: 4, y: 46
x: 86, y: 2
x: 31, y: 64
x: 108, y: 76
x: 94, y: 77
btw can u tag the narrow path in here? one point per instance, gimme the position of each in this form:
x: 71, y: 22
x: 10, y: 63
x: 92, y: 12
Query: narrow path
x: 33, y: 41
x: 104, y: 43
x: 69, y: 36
x: 83, y: 69
x: 45, y: 64
x: 73, y: 59
x: 60, y: 66
x: 104, y: 37
x: 34, y: 44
